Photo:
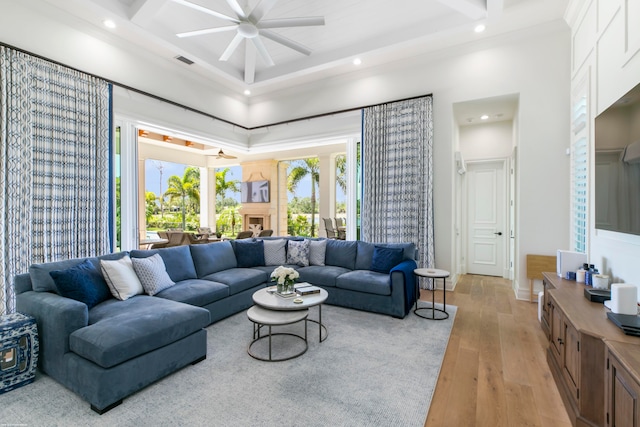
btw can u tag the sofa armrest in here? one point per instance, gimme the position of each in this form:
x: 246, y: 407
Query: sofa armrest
x: 402, y: 275
x: 57, y: 317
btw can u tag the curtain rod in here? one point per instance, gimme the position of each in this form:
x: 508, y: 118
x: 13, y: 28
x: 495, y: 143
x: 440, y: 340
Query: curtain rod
x: 194, y: 110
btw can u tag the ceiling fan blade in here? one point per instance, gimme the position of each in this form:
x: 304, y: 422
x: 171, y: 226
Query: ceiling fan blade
x: 262, y: 50
x: 207, y: 31
x: 261, y: 9
x: 205, y: 10
x: 232, y: 47
x: 233, y: 4
x: 291, y: 22
x: 285, y: 42
x: 222, y: 155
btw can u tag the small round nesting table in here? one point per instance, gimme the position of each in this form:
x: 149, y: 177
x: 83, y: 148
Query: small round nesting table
x: 433, y: 274
x: 263, y: 317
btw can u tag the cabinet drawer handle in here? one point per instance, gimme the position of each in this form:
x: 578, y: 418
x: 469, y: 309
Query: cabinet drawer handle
x: 560, y: 341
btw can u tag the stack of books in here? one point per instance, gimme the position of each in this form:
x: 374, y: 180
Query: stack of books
x: 306, y: 289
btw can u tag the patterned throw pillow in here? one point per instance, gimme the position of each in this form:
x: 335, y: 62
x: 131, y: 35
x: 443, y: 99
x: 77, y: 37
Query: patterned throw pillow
x: 298, y: 252
x: 152, y: 274
x: 274, y: 252
x: 317, y: 251
x: 121, y: 278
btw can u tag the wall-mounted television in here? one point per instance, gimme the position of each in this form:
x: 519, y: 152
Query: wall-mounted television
x: 617, y: 165
x: 254, y: 192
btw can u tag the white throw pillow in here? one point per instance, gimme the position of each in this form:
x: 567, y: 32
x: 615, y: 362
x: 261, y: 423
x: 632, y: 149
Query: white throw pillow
x: 152, y: 274
x: 274, y: 252
x: 121, y: 278
x: 317, y: 251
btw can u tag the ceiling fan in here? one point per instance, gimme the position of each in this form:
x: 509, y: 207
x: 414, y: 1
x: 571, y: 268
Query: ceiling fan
x: 251, y: 26
x: 221, y: 155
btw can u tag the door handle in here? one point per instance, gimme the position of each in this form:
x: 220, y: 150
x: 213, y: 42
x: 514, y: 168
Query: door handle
x: 499, y: 233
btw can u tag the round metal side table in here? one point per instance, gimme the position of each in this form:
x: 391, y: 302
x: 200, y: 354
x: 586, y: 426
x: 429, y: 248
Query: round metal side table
x: 433, y: 274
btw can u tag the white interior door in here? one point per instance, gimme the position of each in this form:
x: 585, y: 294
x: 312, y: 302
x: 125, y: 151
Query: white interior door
x: 486, y: 232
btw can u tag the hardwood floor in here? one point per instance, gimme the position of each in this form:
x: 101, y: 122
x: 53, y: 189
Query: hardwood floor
x: 495, y: 371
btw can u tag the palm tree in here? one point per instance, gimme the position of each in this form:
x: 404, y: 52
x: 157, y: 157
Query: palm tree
x: 185, y: 189
x: 341, y: 171
x: 302, y: 168
x: 222, y: 185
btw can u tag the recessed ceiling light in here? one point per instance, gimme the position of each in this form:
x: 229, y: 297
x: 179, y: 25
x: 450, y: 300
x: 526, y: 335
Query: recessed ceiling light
x: 247, y: 92
x: 484, y: 117
x: 479, y: 28
x: 357, y: 61
x: 109, y: 23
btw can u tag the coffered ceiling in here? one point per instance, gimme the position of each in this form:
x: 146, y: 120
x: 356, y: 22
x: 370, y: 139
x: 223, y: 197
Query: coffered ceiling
x: 376, y: 31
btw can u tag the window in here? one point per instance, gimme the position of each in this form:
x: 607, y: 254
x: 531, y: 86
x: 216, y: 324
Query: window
x: 579, y: 168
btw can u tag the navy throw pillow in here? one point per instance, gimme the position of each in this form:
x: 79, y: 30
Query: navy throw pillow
x: 249, y: 253
x: 384, y: 259
x: 82, y: 283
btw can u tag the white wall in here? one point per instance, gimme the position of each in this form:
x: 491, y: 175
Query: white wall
x: 487, y: 141
x: 606, y: 50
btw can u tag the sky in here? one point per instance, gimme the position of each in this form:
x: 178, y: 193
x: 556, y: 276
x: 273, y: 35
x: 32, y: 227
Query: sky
x: 152, y: 179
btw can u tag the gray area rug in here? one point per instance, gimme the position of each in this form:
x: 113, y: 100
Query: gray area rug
x: 371, y: 370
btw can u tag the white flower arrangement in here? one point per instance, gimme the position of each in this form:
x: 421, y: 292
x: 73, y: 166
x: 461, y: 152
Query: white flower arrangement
x: 283, y: 275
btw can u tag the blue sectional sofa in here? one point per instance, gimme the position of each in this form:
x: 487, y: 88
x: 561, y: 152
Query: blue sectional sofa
x: 104, y: 349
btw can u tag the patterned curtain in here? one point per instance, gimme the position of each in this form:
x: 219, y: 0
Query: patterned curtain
x: 397, y: 200
x: 54, y: 166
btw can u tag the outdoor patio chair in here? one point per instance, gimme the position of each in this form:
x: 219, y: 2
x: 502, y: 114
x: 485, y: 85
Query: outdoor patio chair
x: 265, y: 233
x: 329, y: 229
x: 244, y: 234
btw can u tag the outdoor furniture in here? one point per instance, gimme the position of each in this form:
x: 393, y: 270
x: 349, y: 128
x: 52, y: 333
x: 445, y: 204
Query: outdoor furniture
x: 265, y: 233
x: 244, y: 235
x: 196, y: 239
x: 176, y: 238
x: 329, y: 229
x: 341, y: 227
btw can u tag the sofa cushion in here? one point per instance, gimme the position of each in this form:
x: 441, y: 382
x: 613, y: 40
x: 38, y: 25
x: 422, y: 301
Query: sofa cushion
x: 41, y: 281
x: 317, y: 251
x: 177, y: 261
x: 275, y: 252
x: 249, y: 253
x: 341, y: 253
x: 210, y: 258
x: 239, y: 279
x: 385, y: 258
x: 152, y: 274
x: 365, y: 281
x: 321, y: 275
x: 82, y: 283
x: 298, y: 252
x: 121, y: 278
x: 121, y: 330
x: 196, y: 292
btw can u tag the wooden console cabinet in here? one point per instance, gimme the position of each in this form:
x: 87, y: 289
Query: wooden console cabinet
x: 594, y: 364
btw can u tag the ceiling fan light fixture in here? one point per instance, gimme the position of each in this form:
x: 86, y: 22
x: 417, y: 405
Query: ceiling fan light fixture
x: 247, y: 30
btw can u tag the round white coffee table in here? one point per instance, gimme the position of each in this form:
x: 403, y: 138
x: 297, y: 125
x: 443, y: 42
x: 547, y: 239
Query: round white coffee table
x: 263, y: 317
x: 433, y: 274
x: 268, y: 299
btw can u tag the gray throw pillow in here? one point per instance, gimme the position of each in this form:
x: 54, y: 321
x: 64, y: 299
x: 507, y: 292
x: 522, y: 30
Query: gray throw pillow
x: 274, y: 252
x: 152, y: 274
x: 317, y: 251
